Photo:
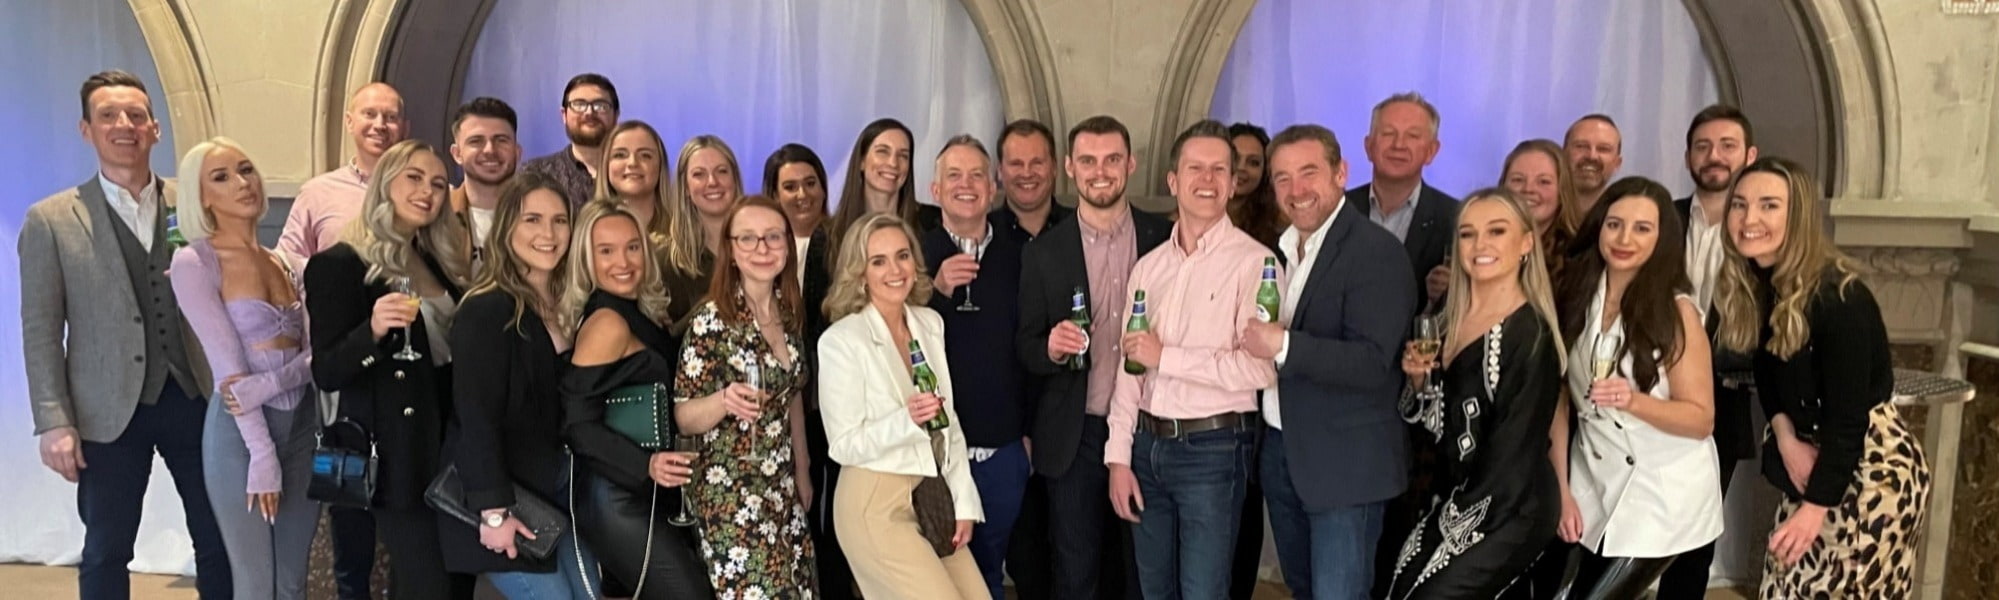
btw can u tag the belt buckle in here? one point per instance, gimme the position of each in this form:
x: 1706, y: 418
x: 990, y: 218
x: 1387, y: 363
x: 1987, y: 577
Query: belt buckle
x: 1178, y: 432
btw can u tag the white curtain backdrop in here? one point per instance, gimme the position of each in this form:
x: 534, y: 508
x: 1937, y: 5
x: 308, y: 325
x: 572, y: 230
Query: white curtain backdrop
x: 1498, y: 72
x: 758, y: 73
x: 39, y: 111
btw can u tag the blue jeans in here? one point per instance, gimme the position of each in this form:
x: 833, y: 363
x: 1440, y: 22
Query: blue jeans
x: 1193, y: 489
x: 575, y: 577
x: 1325, y: 555
x: 1002, y: 482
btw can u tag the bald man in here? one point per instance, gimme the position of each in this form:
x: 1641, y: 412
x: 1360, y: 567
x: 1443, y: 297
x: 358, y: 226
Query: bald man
x: 1596, y: 150
x: 374, y: 122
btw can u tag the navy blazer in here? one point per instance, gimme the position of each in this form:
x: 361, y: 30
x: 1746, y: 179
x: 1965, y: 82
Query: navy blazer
x: 1430, y: 229
x: 1343, y: 437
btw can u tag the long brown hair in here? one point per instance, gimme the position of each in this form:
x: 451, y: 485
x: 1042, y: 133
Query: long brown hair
x: 1651, y: 315
x: 723, y: 286
x: 1802, y: 264
x: 1257, y: 214
x: 854, y: 190
x: 503, y: 271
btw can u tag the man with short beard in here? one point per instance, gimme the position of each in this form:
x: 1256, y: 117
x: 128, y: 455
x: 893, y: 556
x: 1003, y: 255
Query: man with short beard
x: 1094, y: 253
x: 589, y: 110
x: 1182, y: 428
x: 1027, y: 176
x: 484, y: 146
x: 1719, y: 144
x: 325, y: 204
x: 1596, y: 150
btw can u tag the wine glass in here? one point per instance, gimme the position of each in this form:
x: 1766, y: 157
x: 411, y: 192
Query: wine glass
x: 1429, y: 340
x: 971, y: 248
x: 1605, y: 352
x: 402, y: 285
x: 682, y: 518
x: 753, y: 374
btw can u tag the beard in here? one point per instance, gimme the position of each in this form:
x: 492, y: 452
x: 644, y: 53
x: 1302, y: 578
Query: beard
x: 1719, y: 185
x: 580, y: 137
x: 474, y: 175
x: 1116, y: 194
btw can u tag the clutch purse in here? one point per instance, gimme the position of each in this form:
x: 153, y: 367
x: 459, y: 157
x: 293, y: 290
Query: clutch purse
x: 341, y: 474
x: 637, y: 411
x: 446, y: 494
x: 936, y: 515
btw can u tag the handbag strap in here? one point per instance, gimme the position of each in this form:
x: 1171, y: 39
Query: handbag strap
x: 576, y: 537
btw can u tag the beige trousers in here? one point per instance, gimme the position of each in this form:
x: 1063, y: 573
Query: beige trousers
x: 877, y: 528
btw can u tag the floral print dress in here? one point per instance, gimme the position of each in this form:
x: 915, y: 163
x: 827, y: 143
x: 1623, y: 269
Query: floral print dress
x: 753, y: 527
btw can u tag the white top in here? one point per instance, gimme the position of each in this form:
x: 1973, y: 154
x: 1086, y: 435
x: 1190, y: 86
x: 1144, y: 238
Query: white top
x: 1643, y: 493
x: 1704, y: 253
x: 1301, y: 269
x: 482, y: 225
x: 437, y: 312
x: 864, y: 392
x: 138, y: 213
x: 802, y: 244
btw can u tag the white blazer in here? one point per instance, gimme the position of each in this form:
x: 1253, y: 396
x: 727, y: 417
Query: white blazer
x: 864, y: 392
x: 1642, y: 492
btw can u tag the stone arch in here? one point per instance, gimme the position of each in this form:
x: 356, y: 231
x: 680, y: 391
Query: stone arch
x: 174, y: 41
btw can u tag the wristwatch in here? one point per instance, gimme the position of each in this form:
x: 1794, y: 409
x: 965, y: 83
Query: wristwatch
x: 496, y: 519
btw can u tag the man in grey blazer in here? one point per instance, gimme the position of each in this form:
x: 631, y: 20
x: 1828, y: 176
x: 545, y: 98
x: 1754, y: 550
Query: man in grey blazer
x: 114, y: 372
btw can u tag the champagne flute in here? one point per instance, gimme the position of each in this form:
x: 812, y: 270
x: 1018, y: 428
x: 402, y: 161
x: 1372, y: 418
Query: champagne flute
x: 1429, y: 340
x: 682, y: 518
x: 971, y: 248
x: 1603, y: 364
x: 753, y: 375
x: 402, y: 285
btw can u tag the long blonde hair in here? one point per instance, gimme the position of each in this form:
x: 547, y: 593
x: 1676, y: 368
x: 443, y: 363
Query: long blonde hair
x: 850, y: 288
x: 669, y: 222
x: 373, y: 233
x: 502, y: 271
x: 1534, y: 281
x: 581, y: 281
x: 690, y: 240
x: 1800, y: 268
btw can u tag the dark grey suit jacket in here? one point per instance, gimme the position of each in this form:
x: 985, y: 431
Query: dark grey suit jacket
x: 1430, y: 229
x: 78, y: 311
x: 1337, y: 389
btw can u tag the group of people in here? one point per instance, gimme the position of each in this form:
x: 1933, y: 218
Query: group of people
x: 748, y: 396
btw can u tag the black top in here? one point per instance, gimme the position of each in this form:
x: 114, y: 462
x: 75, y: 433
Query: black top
x: 404, y: 405
x: 572, y: 174
x: 684, y: 291
x: 508, y: 428
x: 1734, y: 431
x: 1827, y: 387
x: 1004, y: 219
x: 1491, y: 426
x: 992, y: 402
x: 1052, y: 267
x: 605, y: 451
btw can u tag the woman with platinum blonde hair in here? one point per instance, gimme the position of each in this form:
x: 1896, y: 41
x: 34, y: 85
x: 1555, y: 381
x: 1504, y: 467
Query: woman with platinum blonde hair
x: 242, y: 301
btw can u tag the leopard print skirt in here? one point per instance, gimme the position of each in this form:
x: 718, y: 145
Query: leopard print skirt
x: 1867, y: 548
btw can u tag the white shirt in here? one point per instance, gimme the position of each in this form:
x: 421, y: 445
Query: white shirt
x: 1301, y: 269
x: 139, y: 214
x: 1704, y: 253
x: 482, y: 225
x: 803, y: 244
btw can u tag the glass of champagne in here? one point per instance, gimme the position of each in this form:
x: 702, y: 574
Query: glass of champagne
x: 1605, y: 352
x: 1429, y: 340
x: 682, y: 518
x: 753, y: 374
x: 402, y: 285
x: 971, y: 248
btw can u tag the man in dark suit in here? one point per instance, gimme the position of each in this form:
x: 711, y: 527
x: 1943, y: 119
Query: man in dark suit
x: 1026, y: 174
x: 1719, y: 144
x: 1093, y: 252
x: 1335, y: 451
x: 1401, y: 140
x: 114, y: 372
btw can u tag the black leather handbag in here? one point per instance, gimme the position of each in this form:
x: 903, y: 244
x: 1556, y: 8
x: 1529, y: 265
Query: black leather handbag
x: 446, y: 494
x: 343, y: 474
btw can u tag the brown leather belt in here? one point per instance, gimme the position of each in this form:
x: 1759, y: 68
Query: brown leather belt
x: 1180, y: 428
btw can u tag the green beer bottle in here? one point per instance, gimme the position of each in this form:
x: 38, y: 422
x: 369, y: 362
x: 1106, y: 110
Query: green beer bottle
x: 174, y: 235
x: 1268, y: 298
x: 1137, y: 322
x: 1080, y: 315
x: 926, y: 382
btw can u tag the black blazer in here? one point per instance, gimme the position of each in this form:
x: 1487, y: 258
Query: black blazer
x: 508, y: 425
x: 1052, y: 267
x: 1430, y: 229
x: 1342, y: 374
x: 404, y: 405
x: 1734, y: 427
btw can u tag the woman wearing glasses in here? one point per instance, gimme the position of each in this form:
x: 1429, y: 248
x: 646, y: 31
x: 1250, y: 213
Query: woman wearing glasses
x: 738, y: 388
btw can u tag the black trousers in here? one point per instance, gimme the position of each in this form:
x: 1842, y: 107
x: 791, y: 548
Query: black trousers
x: 353, y: 538
x: 1249, y: 534
x: 416, y: 560
x: 1092, y: 549
x: 1599, y: 578
x: 1686, y: 579
x: 617, y: 524
x: 1028, y: 551
x: 836, y: 579
x: 111, y: 493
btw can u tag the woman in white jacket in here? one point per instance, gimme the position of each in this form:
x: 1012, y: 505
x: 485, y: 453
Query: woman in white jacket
x: 878, y: 422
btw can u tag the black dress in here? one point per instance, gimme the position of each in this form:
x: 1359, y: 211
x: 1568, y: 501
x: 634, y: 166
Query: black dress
x: 1494, y: 503
x: 618, y: 507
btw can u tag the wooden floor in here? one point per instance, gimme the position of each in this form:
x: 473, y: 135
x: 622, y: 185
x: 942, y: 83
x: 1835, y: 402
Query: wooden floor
x: 37, y: 581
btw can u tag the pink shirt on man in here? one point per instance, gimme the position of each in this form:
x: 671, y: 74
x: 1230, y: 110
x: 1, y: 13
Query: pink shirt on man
x: 324, y: 206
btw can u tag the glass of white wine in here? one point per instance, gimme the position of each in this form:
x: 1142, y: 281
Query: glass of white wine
x: 1429, y: 340
x: 402, y: 285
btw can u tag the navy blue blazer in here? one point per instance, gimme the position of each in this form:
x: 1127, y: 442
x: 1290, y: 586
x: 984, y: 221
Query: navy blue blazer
x: 1343, y: 437
x: 1431, y: 229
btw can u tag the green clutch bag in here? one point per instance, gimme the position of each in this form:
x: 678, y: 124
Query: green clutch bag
x: 639, y: 412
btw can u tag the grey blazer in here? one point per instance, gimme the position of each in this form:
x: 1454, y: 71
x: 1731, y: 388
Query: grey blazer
x: 78, y: 312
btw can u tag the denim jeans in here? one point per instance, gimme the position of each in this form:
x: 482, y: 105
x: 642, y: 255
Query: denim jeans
x: 1325, y: 555
x: 575, y: 577
x: 1193, y: 489
x: 1002, y: 482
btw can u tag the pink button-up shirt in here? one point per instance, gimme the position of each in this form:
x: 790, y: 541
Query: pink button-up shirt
x: 324, y: 206
x: 1198, y: 304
